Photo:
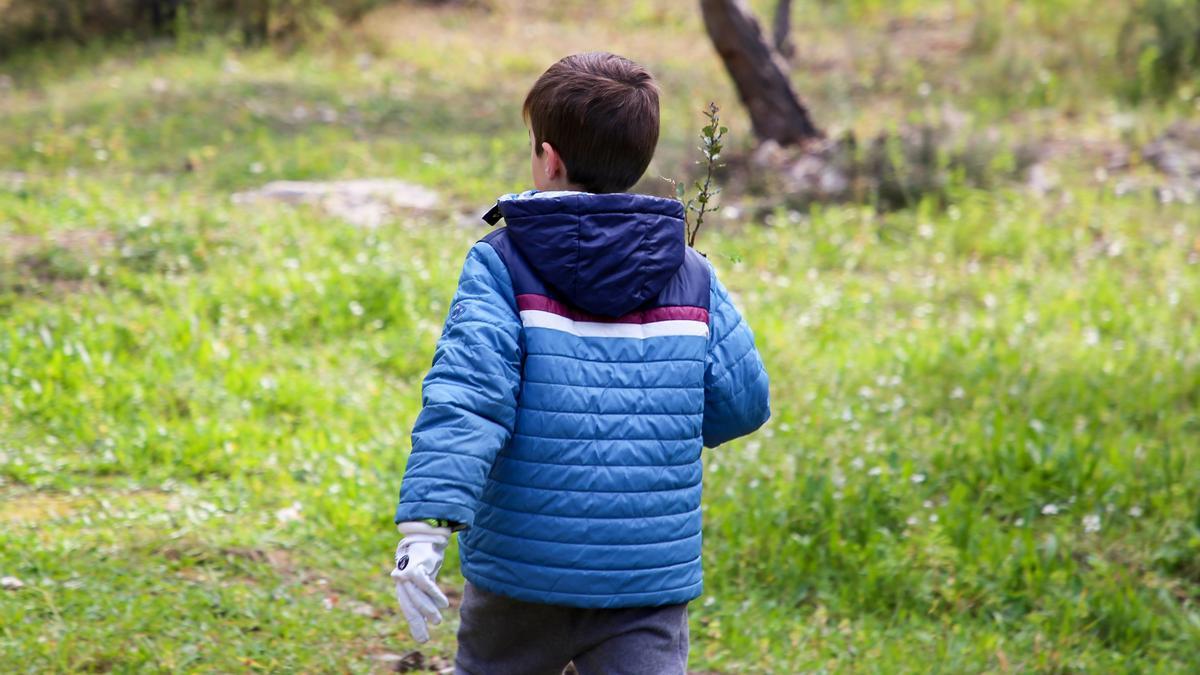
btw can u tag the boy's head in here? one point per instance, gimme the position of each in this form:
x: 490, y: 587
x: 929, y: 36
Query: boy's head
x: 593, y: 123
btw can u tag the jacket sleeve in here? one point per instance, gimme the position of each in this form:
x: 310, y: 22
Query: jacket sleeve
x: 469, y: 397
x: 736, y: 392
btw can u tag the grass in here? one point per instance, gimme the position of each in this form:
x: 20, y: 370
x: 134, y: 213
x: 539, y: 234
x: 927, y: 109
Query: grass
x: 983, y: 455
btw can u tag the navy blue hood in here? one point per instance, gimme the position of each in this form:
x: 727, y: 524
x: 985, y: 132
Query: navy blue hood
x: 607, y: 254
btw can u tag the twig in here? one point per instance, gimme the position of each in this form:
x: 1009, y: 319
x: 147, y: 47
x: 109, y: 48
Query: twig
x: 711, y: 137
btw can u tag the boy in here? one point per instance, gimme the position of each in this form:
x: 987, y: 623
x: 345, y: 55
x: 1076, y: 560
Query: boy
x: 587, y: 357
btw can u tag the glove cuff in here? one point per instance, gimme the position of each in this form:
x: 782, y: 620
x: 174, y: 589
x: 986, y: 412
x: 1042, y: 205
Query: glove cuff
x: 421, y: 531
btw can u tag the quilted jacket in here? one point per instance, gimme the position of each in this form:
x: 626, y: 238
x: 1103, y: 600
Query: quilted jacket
x: 588, y: 356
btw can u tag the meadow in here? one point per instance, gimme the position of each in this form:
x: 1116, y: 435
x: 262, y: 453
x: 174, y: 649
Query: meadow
x: 984, y: 451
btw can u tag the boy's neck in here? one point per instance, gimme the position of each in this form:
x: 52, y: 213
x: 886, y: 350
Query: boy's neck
x: 562, y: 186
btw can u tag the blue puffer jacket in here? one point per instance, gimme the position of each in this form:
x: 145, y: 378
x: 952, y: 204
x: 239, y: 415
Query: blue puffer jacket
x: 587, y: 357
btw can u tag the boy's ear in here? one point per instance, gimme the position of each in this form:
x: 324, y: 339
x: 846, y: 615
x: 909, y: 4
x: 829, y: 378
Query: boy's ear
x: 552, y: 161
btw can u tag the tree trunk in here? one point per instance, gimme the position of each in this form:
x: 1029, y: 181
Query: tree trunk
x: 783, y: 29
x: 759, y: 73
x: 255, y: 19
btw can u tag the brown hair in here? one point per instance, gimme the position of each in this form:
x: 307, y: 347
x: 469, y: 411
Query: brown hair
x: 600, y: 112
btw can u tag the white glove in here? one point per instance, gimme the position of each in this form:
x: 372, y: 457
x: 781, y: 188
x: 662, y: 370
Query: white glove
x: 418, y: 560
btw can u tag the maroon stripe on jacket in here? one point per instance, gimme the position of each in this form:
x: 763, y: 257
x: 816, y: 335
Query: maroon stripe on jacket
x: 530, y: 301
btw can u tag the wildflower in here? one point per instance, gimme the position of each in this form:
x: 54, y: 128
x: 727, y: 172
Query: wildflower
x: 1135, y: 511
x: 1091, y: 523
x: 289, y: 514
x: 1050, y: 510
x: 917, y: 478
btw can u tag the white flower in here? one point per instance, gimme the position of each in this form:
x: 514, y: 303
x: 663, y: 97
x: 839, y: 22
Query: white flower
x: 912, y: 521
x: 917, y: 478
x: 1135, y: 511
x: 355, y: 308
x: 289, y: 514
x: 1050, y: 510
x: 1019, y: 522
x: 1091, y: 523
x: 875, y: 471
x: 933, y: 517
x: 958, y: 393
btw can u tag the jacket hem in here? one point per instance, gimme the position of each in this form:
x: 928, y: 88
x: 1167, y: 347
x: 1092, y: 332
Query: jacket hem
x: 587, y: 600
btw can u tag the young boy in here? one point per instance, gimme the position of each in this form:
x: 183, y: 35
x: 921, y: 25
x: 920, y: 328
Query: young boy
x: 587, y: 357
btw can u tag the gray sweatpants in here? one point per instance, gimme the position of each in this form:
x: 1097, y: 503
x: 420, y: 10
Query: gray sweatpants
x: 501, y: 636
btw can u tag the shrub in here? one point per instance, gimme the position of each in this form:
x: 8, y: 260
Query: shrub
x: 26, y: 22
x: 1159, y: 47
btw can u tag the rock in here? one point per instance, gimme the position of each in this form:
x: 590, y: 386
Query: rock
x: 362, y: 609
x: 367, y: 202
x: 1041, y: 179
x: 12, y: 180
x: 1177, y: 151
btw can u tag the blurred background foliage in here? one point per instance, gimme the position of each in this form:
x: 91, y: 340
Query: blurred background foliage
x: 1157, y: 50
x: 976, y: 298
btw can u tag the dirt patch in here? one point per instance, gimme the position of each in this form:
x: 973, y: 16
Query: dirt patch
x: 203, y: 554
x: 36, y: 507
x: 76, y: 241
x: 412, y: 662
x: 59, y: 262
x: 929, y: 39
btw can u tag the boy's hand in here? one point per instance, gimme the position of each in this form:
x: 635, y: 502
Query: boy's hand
x: 418, y: 560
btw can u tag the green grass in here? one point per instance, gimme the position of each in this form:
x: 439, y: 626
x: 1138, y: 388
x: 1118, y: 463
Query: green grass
x: 983, y: 455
